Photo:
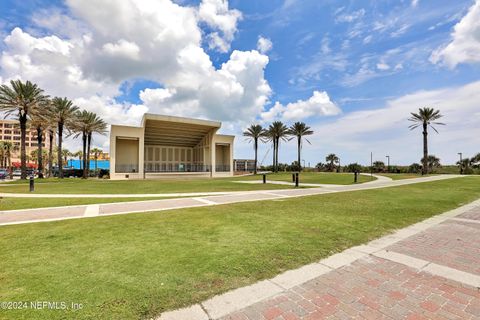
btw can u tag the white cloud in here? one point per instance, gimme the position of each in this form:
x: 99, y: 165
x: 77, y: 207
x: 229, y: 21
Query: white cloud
x: 319, y: 104
x: 350, y: 17
x: 141, y: 39
x: 383, y: 66
x: 465, y: 44
x: 122, y: 48
x: 264, y: 45
x: 217, y: 15
x: 385, y: 130
x: 415, y: 3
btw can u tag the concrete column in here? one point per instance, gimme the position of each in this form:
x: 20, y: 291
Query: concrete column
x: 112, y: 150
x: 213, y: 151
x: 141, y: 155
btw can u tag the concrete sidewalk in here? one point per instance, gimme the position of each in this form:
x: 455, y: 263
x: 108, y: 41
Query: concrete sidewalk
x: 88, y: 211
x: 430, y: 270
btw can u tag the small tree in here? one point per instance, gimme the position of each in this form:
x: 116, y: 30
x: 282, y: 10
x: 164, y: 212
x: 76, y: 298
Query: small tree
x: 332, y: 160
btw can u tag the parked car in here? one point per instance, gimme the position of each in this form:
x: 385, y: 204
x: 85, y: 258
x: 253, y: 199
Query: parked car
x: 3, y: 174
x: 17, y: 173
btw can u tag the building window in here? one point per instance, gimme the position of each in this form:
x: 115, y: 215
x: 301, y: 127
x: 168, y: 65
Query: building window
x: 8, y: 125
x: 7, y: 138
x: 8, y: 132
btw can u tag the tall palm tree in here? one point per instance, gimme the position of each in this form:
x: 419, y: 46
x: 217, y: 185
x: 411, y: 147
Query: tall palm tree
x: 20, y: 99
x: 98, y: 126
x: 271, y: 136
x: 279, y: 132
x: 426, y: 117
x: 254, y: 133
x: 332, y: 159
x: 51, y: 135
x: 300, y: 130
x: 88, y: 123
x: 40, y: 121
x: 64, y: 115
x: 96, y: 153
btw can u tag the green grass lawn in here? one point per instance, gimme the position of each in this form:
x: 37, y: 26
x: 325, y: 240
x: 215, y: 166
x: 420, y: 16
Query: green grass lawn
x: 138, y: 265
x: 31, y: 203
x: 98, y: 186
x: 313, y: 177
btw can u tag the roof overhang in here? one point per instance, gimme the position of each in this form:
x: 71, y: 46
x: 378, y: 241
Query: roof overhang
x: 176, y: 131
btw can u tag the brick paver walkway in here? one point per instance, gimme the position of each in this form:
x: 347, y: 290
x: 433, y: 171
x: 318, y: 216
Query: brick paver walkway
x: 430, y: 270
x: 370, y: 288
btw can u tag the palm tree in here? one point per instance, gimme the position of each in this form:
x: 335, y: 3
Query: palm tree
x: 64, y: 115
x: 98, y: 126
x: 20, y: 99
x: 300, y: 130
x: 96, y: 152
x: 51, y: 135
x: 465, y: 165
x: 270, y: 136
x: 86, y: 125
x: 8, y: 148
x: 426, y: 117
x: 432, y: 162
x: 254, y: 133
x: 65, y: 155
x: 79, y: 155
x: 332, y: 159
x: 40, y: 121
x: 279, y: 132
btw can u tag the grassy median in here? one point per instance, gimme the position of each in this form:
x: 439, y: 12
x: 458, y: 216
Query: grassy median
x: 138, y: 265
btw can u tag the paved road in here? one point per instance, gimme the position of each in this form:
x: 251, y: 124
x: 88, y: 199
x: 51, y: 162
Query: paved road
x: 430, y: 270
x: 90, y: 211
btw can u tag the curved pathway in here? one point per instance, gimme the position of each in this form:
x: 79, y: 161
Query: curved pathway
x: 189, y: 200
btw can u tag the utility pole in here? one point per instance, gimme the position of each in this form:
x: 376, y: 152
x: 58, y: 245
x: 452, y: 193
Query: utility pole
x: 388, y: 163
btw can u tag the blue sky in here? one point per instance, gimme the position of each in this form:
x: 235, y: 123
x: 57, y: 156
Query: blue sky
x: 370, y: 62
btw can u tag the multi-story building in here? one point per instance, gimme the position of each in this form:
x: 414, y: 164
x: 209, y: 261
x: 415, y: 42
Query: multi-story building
x: 10, y: 131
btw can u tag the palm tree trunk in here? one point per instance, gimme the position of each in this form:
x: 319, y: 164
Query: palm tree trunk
x: 50, y: 153
x: 255, y: 145
x: 276, y: 156
x: 10, y: 165
x: 40, y: 152
x: 299, y: 146
x: 89, y: 142
x: 84, y: 140
x: 23, y: 151
x: 425, y: 149
x: 273, y: 161
x: 60, y: 138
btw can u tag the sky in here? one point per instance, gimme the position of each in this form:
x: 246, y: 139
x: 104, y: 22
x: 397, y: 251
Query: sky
x: 351, y: 70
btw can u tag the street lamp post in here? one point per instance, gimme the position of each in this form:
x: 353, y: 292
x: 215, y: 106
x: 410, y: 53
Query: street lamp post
x: 461, y: 164
x: 388, y: 163
x: 303, y: 162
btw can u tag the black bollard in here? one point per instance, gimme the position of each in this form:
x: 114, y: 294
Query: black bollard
x: 264, y: 178
x: 293, y: 177
x: 356, y: 176
x: 296, y: 180
x: 32, y: 184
